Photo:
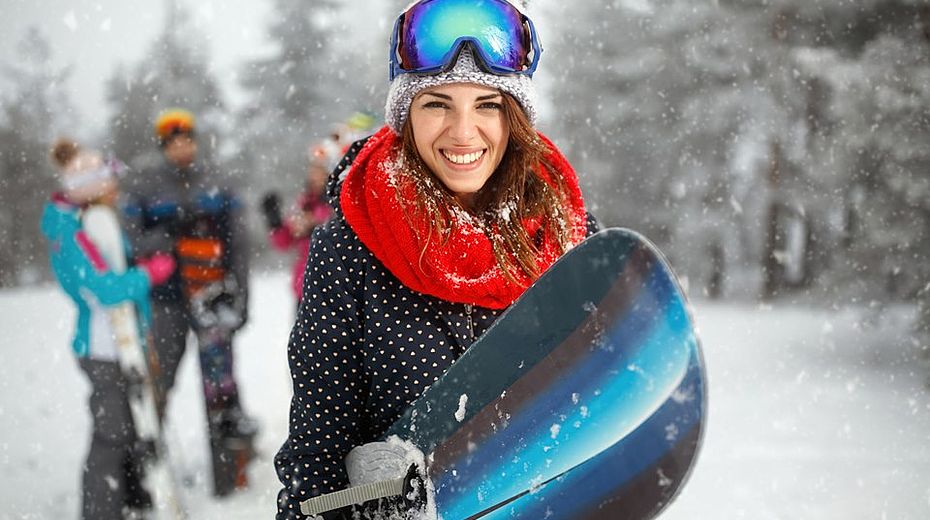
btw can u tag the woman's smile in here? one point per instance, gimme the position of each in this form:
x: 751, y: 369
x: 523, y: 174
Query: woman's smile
x: 466, y: 160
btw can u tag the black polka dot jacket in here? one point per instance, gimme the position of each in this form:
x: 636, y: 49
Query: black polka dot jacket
x: 363, y: 347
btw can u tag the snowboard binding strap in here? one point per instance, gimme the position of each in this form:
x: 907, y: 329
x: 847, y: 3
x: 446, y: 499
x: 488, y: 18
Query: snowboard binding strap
x: 399, y: 487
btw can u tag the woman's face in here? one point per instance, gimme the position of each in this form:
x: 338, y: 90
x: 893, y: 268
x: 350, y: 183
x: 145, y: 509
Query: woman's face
x: 461, y: 134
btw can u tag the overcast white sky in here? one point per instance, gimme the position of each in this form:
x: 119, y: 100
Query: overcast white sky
x: 95, y: 35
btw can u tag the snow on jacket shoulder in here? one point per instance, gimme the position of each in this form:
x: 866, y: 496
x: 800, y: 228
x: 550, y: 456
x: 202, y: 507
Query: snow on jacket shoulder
x: 85, y: 277
x: 363, y: 348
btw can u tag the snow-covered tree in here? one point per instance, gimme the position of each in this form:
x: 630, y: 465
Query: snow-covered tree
x: 33, y: 110
x: 873, y: 142
x: 319, y: 74
x: 174, y: 72
x: 729, y: 131
x: 673, y: 108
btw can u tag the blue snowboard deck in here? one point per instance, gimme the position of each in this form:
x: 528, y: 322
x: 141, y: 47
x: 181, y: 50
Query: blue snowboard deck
x: 586, y: 399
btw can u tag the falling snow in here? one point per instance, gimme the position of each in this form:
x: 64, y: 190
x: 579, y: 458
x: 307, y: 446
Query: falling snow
x: 776, y: 151
x: 809, y: 438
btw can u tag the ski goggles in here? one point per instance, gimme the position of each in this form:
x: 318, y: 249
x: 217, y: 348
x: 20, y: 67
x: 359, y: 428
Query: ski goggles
x: 430, y: 34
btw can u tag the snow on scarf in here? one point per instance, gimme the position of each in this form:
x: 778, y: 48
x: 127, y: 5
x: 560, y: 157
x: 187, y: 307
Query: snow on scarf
x: 462, y: 269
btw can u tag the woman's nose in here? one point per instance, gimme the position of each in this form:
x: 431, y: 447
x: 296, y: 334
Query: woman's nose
x: 462, y: 127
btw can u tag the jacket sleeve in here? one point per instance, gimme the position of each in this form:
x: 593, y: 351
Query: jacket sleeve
x: 281, y: 238
x: 145, y: 236
x: 96, y: 276
x: 330, y: 388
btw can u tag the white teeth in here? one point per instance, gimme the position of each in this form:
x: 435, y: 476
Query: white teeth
x: 463, y: 159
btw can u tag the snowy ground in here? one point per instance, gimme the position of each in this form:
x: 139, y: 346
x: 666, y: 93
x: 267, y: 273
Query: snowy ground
x: 812, y: 414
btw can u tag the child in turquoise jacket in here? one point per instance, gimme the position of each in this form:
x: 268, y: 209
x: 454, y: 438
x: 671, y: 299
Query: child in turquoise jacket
x: 111, y: 486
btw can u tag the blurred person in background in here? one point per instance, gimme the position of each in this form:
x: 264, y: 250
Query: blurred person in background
x: 79, y: 225
x: 184, y: 208
x: 309, y: 211
x: 332, y: 148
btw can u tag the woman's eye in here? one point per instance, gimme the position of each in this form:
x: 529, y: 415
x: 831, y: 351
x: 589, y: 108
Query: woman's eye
x: 434, y: 104
x: 491, y: 106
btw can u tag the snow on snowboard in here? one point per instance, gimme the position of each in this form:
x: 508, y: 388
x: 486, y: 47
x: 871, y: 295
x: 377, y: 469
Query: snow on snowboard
x: 585, y: 400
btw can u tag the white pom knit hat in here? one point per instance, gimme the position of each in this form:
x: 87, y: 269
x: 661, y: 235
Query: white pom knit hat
x: 405, y: 87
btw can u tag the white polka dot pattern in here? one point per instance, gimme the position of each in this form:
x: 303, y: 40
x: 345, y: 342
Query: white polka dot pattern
x: 363, y: 348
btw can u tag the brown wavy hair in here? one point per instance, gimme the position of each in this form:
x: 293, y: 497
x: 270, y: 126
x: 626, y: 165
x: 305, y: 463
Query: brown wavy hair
x: 514, y: 192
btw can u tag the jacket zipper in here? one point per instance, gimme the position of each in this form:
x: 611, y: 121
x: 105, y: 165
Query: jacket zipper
x: 471, y: 327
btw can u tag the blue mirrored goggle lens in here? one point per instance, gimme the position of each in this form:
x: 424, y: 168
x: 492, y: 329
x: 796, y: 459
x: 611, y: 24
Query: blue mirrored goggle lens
x: 432, y: 30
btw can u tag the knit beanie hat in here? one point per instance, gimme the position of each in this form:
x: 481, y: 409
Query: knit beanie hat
x: 172, y: 122
x: 405, y: 87
x: 87, y: 176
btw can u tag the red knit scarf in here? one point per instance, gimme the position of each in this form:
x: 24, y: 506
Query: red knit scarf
x: 461, y: 269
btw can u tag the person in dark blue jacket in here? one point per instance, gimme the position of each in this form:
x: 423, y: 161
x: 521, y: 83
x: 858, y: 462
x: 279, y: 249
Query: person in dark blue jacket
x: 185, y: 208
x: 442, y: 219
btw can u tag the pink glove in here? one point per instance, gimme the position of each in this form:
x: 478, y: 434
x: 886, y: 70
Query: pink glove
x: 158, y: 266
x: 281, y: 238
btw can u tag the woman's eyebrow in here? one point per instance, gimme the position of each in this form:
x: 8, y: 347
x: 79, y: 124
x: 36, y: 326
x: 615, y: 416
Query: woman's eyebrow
x: 440, y: 96
x: 449, y: 98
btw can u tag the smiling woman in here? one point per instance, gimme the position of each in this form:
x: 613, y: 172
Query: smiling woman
x: 442, y: 219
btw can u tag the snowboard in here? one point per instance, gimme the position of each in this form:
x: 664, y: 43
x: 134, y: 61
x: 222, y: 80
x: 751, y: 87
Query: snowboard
x: 217, y: 313
x: 102, y: 227
x: 585, y: 400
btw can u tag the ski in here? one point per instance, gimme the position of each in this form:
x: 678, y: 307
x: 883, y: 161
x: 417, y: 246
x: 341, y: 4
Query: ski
x: 102, y: 226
